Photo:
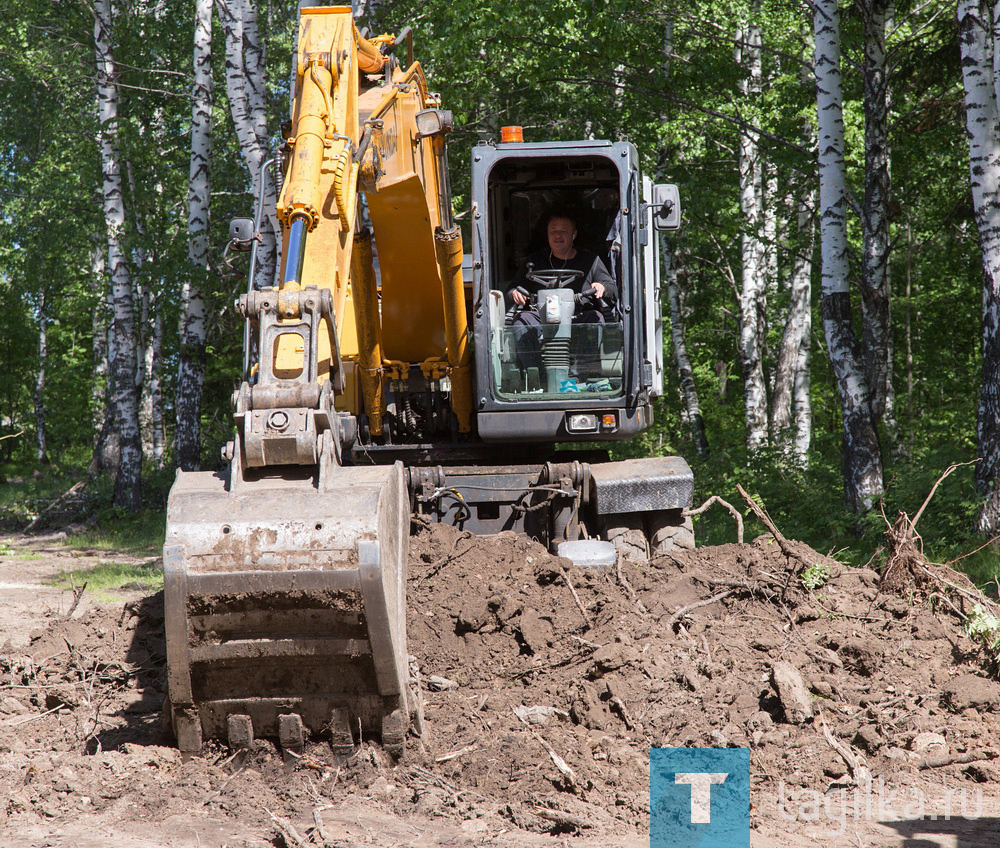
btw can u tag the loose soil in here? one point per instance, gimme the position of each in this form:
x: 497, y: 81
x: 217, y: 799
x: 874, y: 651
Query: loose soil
x: 540, y: 709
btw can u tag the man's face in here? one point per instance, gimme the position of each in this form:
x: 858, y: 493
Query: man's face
x: 561, y: 234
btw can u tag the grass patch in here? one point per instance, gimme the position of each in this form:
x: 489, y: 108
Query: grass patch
x: 104, y: 578
x: 8, y: 550
x: 118, y: 530
x: 26, y: 556
x: 21, y: 484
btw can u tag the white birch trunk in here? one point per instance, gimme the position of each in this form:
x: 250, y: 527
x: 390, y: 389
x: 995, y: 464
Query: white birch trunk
x: 151, y: 416
x: 875, y: 283
x: 753, y: 289
x: 42, y: 452
x: 245, y: 86
x: 191, y: 362
x: 124, y: 399
x: 769, y: 214
x: 99, y: 329
x: 791, y: 411
x: 105, y: 458
x: 145, y: 297
x: 802, y: 398
x: 155, y: 376
x: 980, y: 70
x: 145, y: 365
x: 692, y: 406
x: 862, y: 457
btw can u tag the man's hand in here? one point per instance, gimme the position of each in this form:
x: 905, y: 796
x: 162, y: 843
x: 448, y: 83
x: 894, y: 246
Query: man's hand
x: 598, y: 290
x: 518, y: 298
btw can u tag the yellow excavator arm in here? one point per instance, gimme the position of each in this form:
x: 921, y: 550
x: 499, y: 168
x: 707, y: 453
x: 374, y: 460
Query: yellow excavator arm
x: 285, y: 582
x: 386, y: 138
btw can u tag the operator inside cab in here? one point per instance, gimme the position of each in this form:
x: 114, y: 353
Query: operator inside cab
x: 592, y: 276
x: 590, y: 296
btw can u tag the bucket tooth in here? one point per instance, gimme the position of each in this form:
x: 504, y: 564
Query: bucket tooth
x: 394, y: 732
x: 239, y: 731
x: 291, y: 736
x: 341, y: 738
x: 187, y: 729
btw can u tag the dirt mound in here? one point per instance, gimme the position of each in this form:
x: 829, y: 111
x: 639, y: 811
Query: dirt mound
x: 545, y: 685
x: 704, y: 648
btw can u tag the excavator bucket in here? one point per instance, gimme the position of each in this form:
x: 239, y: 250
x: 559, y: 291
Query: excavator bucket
x: 285, y: 608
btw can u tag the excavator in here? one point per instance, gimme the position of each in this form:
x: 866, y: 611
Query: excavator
x: 385, y: 382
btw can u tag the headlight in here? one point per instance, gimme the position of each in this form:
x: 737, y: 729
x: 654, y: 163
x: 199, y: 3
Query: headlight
x: 584, y: 422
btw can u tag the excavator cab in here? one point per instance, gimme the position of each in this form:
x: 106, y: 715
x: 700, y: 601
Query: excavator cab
x: 566, y: 380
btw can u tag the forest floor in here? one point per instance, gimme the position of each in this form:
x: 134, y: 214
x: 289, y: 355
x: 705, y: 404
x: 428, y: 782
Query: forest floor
x: 868, y: 715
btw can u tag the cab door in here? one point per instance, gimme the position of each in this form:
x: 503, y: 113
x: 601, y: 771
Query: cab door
x: 653, y: 325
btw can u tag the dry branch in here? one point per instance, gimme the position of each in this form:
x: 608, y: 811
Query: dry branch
x: 623, y: 582
x: 683, y: 611
x: 319, y: 831
x: 930, y: 494
x: 943, y: 760
x: 568, y: 774
x: 561, y: 818
x: 761, y: 513
x: 70, y: 491
x: 855, y: 762
x: 287, y: 831
x: 77, y: 595
x: 905, y: 565
x: 576, y: 597
x: 786, y: 549
x: 733, y: 510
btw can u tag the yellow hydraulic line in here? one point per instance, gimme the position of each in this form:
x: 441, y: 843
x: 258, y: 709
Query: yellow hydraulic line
x: 327, y: 99
x: 448, y: 246
x: 369, y: 330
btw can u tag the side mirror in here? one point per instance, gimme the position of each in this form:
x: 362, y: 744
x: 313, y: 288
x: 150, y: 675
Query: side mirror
x: 241, y: 233
x: 666, y: 207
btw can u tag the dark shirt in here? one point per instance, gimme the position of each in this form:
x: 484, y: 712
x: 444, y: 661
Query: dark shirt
x: 594, y: 271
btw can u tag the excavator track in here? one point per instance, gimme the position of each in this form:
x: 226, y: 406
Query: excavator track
x: 285, y: 608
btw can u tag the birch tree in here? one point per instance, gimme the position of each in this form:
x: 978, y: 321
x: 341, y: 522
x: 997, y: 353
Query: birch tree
x: 246, y: 88
x: 791, y: 408
x: 980, y: 48
x: 99, y: 330
x: 191, y: 362
x: 753, y: 290
x: 151, y: 387
x: 875, y: 284
x: 692, y: 406
x: 42, y: 453
x: 124, y: 397
x: 150, y: 329
x: 862, y: 457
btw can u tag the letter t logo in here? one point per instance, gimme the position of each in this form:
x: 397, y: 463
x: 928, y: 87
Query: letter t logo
x: 701, y: 792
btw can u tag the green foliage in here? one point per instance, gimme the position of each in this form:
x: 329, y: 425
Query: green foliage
x: 983, y: 626
x: 815, y: 576
x: 25, y: 491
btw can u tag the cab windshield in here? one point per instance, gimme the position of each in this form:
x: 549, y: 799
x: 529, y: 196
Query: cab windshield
x: 553, y: 361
